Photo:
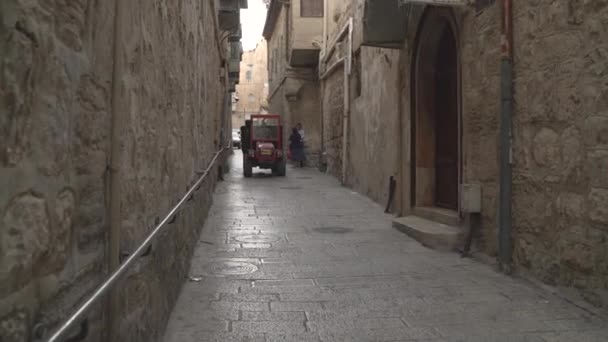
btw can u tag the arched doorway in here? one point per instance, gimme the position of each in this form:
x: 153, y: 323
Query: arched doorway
x: 435, y: 112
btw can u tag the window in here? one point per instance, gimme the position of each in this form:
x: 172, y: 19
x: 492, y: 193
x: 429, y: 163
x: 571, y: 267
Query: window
x: 311, y: 8
x: 248, y: 75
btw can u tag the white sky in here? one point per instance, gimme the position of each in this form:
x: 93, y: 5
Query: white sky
x: 252, y: 23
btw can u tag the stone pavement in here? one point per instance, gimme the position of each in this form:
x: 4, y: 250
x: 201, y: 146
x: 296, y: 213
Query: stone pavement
x: 303, y: 259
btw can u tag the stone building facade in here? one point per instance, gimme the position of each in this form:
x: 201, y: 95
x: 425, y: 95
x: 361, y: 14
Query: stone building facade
x: 422, y: 104
x: 294, y: 32
x: 107, y: 110
x: 252, y: 90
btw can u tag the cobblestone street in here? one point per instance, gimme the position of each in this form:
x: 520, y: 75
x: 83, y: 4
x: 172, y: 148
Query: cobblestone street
x: 301, y: 258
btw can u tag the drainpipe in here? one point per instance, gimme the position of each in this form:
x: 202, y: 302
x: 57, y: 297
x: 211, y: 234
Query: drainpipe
x: 114, y: 214
x: 506, y: 137
x: 345, y: 124
x: 288, y: 13
x: 325, y: 17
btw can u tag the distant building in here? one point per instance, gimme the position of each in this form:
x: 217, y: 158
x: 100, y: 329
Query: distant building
x: 252, y: 89
x: 294, y: 31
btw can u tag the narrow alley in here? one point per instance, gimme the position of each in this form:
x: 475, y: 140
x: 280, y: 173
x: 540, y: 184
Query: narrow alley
x: 303, y: 259
x: 129, y: 131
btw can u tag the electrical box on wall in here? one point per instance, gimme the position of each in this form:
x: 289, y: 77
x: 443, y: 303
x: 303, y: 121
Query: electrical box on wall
x: 471, y: 198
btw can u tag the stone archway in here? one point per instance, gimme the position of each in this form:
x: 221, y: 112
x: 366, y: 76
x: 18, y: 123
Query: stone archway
x: 436, y: 112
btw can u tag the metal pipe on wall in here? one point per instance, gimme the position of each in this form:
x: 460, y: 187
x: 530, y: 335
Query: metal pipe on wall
x: 325, y: 18
x: 506, y: 137
x: 346, y: 122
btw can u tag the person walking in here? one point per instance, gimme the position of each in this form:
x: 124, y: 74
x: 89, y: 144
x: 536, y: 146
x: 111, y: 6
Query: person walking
x: 300, y: 131
x: 297, y: 147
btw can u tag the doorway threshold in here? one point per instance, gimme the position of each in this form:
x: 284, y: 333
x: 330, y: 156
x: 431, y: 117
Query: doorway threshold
x: 431, y: 234
x: 436, y: 214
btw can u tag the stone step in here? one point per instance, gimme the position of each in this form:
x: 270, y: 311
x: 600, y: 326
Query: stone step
x: 445, y: 216
x: 431, y: 234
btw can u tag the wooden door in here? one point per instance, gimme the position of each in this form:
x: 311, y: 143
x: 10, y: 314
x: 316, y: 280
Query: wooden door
x: 446, y: 123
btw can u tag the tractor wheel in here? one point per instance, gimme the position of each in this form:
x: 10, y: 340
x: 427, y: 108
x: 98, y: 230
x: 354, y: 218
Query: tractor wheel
x: 281, y: 169
x: 247, y: 167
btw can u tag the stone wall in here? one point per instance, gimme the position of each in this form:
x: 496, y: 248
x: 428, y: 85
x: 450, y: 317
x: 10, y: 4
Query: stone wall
x: 306, y: 32
x: 374, y: 118
x: 58, y: 101
x: 277, y: 57
x: 560, y: 192
x: 304, y: 108
x: 55, y: 113
x: 480, y: 113
x: 332, y: 104
x: 294, y: 92
x: 336, y: 12
x: 560, y: 149
x: 374, y: 122
x: 559, y: 211
x: 297, y: 101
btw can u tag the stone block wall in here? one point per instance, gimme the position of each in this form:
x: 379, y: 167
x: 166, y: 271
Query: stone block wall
x: 56, y: 61
x: 374, y: 119
x: 297, y: 101
x: 374, y: 149
x: 480, y: 94
x: 58, y: 99
x: 294, y: 92
x: 277, y: 53
x: 252, y: 92
x: 560, y: 193
x: 332, y: 104
x: 559, y: 207
x: 305, y: 109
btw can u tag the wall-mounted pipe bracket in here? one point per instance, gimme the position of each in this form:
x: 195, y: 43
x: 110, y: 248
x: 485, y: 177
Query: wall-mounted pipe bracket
x: 124, y: 256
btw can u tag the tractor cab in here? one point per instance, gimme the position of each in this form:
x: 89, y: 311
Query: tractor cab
x: 262, y: 142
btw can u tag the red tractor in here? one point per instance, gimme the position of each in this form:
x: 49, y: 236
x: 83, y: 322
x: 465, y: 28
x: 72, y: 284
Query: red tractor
x: 262, y: 144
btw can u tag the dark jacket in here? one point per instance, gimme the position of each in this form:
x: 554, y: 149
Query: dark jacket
x: 295, y: 140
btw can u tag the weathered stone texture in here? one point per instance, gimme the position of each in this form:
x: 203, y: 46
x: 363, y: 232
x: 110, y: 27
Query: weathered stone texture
x: 561, y: 139
x: 333, y: 121
x: 57, y: 60
x: 293, y: 91
x: 374, y: 123
x: 480, y: 82
x: 173, y: 97
x: 15, y: 327
x: 25, y: 242
x: 560, y: 130
x: 43, y: 64
x: 252, y: 89
x: 297, y: 101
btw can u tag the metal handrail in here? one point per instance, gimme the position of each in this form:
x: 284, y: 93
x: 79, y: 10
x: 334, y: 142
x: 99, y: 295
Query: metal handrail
x: 115, y: 276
